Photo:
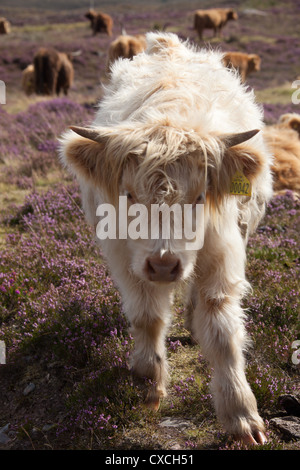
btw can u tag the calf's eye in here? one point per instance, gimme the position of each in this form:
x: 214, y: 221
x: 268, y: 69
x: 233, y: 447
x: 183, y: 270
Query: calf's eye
x: 200, y: 199
x: 129, y: 196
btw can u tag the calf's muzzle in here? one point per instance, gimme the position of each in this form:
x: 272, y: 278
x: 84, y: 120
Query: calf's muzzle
x: 163, y: 269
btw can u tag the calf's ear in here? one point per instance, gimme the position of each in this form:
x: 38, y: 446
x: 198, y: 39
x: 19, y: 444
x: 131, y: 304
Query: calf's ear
x: 244, y: 158
x: 237, y: 157
x: 83, y: 152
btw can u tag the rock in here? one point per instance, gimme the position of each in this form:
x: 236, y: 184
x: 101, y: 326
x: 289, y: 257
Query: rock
x: 291, y: 404
x: 48, y: 427
x: 254, y: 11
x: 174, y: 423
x: 3, y: 436
x: 4, y: 439
x: 30, y: 387
x: 289, y: 427
x: 175, y: 446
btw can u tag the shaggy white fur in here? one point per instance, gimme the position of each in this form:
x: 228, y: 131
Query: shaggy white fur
x: 162, y: 134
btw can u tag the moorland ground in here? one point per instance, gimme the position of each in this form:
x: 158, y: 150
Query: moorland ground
x: 66, y: 383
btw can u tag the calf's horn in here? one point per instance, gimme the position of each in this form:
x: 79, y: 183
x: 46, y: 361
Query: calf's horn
x: 91, y: 134
x: 234, y: 139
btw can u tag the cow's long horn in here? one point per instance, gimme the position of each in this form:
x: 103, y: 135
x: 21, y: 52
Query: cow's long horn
x: 91, y: 134
x: 76, y: 53
x: 234, y: 139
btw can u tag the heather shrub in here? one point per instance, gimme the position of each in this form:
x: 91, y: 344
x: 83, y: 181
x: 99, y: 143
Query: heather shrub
x: 273, y: 306
x: 58, y: 301
x: 30, y: 139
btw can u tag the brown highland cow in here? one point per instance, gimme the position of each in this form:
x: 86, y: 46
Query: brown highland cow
x: 100, y: 22
x: 53, y: 72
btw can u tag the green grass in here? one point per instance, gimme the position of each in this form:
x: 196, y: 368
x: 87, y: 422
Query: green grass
x: 279, y: 94
x: 56, y: 27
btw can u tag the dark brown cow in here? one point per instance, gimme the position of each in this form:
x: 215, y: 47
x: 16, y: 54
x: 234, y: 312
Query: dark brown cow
x: 53, y: 72
x: 65, y: 75
x: 215, y: 18
x: 100, y: 22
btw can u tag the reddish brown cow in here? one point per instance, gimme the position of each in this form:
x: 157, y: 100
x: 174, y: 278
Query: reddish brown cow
x: 290, y: 121
x: 215, y: 18
x: 28, y: 79
x: 244, y: 63
x: 284, y: 143
x: 100, y: 22
x: 125, y: 46
x: 4, y: 26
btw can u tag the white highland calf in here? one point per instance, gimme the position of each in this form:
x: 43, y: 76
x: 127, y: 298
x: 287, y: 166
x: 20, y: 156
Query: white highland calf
x: 174, y: 127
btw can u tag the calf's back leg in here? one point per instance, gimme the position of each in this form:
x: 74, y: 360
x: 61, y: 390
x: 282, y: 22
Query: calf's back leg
x: 218, y: 324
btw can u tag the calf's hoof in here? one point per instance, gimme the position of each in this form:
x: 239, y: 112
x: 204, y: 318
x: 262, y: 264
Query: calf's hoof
x: 154, y: 397
x: 152, y: 404
x: 256, y: 438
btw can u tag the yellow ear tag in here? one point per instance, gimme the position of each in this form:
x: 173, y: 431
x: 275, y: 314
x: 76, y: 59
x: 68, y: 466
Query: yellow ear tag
x: 240, y: 185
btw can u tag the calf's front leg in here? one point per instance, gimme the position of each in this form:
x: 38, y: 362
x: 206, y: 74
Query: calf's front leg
x: 149, y: 358
x: 148, y: 310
